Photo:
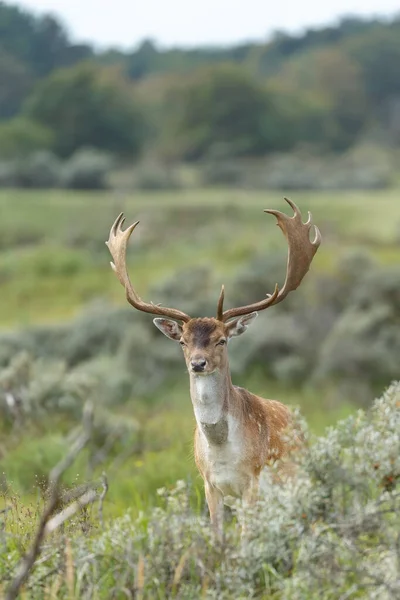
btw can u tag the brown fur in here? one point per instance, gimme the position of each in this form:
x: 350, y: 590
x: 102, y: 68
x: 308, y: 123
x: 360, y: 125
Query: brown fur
x: 237, y: 433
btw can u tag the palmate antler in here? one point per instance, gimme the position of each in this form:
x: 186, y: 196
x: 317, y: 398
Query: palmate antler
x: 301, y: 253
x: 117, y: 243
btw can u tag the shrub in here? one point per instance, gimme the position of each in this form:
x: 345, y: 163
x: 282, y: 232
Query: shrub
x: 155, y: 176
x: 8, y: 174
x: 331, y: 532
x: 31, y: 389
x: 223, y: 172
x: 115, y: 348
x: 340, y: 326
x: 42, y: 169
x: 359, y: 168
x: 87, y: 169
x: 365, y: 341
x: 300, y: 171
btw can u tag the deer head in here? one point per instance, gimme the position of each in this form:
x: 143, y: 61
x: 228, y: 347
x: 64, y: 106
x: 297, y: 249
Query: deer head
x: 204, y: 340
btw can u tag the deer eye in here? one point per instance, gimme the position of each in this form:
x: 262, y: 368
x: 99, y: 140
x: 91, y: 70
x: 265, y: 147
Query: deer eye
x: 221, y: 343
x: 182, y: 343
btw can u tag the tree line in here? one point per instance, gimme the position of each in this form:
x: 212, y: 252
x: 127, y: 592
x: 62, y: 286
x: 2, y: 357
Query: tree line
x: 324, y: 89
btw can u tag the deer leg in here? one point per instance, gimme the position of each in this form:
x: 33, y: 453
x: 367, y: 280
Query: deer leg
x: 249, y: 498
x: 216, y: 508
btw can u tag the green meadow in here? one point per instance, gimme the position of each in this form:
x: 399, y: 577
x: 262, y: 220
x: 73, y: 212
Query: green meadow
x: 53, y: 260
x: 54, y: 266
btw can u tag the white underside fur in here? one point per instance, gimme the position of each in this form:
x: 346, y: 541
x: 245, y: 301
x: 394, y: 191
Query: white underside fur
x: 226, y: 471
x: 206, y: 398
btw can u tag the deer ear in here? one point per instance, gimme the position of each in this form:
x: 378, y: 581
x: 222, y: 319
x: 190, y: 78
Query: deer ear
x: 239, y: 325
x: 170, y: 328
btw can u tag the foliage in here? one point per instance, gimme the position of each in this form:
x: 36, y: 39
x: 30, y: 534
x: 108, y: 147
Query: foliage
x: 20, y: 137
x: 151, y: 175
x: 332, y: 530
x: 16, y: 84
x: 224, y: 111
x: 40, y: 170
x: 87, y: 169
x: 59, y: 346
x: 298, y: 340
x: 54, y: 269
x: 40, y: 42
x: 327, y: 88
x: 88, y: 106
x: 377, y: 67
x: 364, y: 343
x: 31, y: 389
x: 365, y: 166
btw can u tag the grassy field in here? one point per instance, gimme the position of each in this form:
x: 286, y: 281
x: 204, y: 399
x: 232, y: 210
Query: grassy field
x: 53, y: 263
x: 53, y: 259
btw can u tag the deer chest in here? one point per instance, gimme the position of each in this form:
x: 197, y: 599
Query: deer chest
x: 222, y: 453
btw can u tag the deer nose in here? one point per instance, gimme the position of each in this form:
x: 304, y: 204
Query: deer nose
x: 198, y: 364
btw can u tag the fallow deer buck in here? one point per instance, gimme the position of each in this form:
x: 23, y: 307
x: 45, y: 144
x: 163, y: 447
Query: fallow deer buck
x: 237, y: 433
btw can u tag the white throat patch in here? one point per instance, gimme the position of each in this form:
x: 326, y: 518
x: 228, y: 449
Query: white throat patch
x: 207, y: 398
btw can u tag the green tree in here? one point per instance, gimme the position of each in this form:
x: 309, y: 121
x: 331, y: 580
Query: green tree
x: 89, y: 106
x: 51, y: 48
x: 20, y: 137
x: 330, y: 100
x: 16, y: 31
x: 144, y: 60
x: 40, y: 43
x: 16, y: 83
x: 378, y: 54
x: 223, y: 110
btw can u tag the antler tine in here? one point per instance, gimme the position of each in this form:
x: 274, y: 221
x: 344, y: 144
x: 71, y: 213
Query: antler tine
x: 301, y: 252
x: 117, y: 244
x: 245, y: 310
x: 220, y: 307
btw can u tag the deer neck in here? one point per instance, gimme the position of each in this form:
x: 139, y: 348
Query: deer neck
x: 211, y: 396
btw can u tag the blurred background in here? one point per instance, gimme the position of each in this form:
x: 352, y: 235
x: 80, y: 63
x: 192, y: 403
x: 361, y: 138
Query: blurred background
x: 193, y: 121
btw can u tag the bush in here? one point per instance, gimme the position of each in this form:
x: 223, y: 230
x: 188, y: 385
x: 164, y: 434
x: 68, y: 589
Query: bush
x: 8, y: 174
x: 364, y: 343
x: 31, y: 389
x: 87, y: 169
x: 224, y: 173
x: 154, y: 176
x: 116, y: 348
x: 339, y: 327
x: 360, y: 168
x: 331, y: 532
x: 40, y: 170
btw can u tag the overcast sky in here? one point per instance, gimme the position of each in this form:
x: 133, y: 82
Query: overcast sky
x: 125, y: 23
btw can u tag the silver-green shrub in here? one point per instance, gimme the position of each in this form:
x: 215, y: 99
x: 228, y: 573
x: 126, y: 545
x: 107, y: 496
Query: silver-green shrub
x: 332, y: 532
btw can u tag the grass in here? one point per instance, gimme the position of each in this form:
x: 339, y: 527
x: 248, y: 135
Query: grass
x: 53, y: 261
x: 165, y: 452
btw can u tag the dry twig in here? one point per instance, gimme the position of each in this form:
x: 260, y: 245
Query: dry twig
x: 45, y: 526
